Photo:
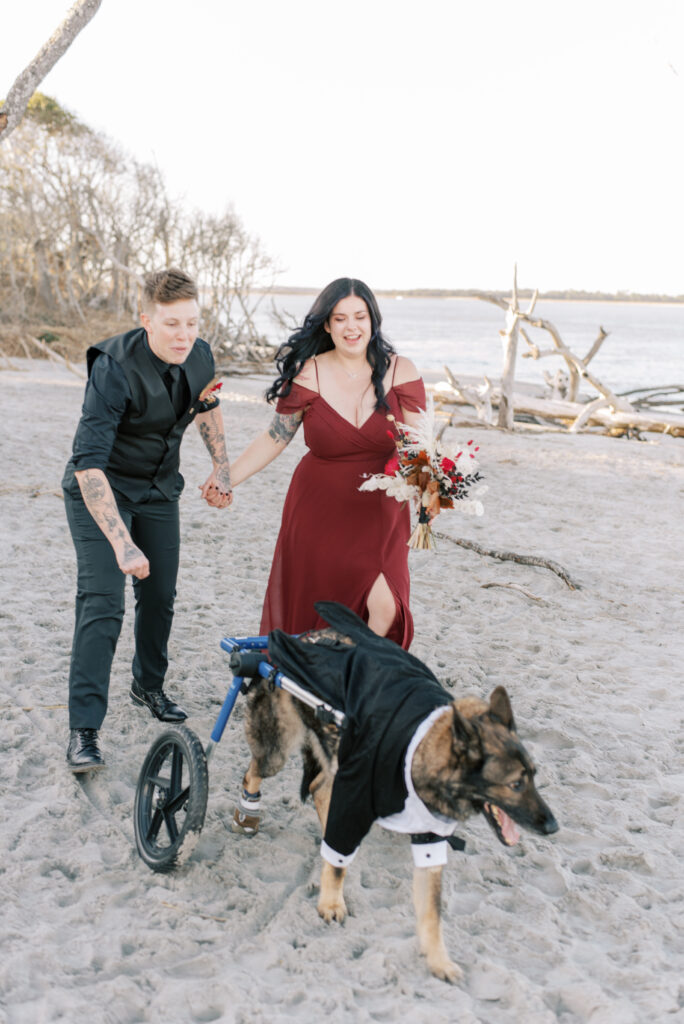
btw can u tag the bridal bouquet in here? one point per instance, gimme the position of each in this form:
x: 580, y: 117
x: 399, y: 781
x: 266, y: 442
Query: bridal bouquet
x: 430, y: 474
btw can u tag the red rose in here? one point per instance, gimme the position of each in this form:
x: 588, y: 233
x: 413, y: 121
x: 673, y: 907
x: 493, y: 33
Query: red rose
x: 392, y: 466
x: 447, y: 464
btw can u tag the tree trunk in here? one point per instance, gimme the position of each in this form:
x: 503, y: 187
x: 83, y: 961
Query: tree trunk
x: 30, y: 78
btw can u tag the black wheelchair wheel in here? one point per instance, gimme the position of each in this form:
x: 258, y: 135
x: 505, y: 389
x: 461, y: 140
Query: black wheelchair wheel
x: 171, y: 799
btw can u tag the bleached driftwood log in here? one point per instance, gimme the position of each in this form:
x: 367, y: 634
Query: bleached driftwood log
x: 609, y: 410
x: 577, y: 367
x: 509, y: 339
x: 575, y: 415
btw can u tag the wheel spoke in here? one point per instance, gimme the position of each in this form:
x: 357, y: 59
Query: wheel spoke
x: 170, y: 822
x: 175, y: 803
x: 156, y: 780
x: 155, y: 825
x: 176, y: 773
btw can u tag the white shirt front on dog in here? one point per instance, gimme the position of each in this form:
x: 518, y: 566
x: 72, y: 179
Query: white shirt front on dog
x: 414, y: 818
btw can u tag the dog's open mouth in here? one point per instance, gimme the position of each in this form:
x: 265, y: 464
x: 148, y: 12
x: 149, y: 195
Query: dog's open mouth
x: 505, y: 828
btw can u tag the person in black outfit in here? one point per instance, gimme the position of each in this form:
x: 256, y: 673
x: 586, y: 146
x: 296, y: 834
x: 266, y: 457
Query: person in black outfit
x: 121, y: 489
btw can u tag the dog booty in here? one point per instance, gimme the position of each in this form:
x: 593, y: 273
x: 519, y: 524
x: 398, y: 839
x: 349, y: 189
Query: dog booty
x: 246, y: 816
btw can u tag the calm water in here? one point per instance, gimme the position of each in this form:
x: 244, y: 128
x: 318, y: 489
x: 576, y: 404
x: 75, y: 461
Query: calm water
x: 645, y: 346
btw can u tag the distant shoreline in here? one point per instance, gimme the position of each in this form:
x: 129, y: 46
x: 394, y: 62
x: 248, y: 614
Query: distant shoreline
x: 523, y: 293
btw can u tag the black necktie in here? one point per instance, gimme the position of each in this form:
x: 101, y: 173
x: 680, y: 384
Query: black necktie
x: 174, y: 386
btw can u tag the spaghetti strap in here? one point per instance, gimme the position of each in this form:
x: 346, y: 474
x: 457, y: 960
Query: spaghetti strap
x: 394, y: 371
x: 318, y: 384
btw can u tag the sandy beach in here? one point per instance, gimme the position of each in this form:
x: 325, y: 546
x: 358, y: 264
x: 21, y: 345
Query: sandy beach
x: 584, y: 926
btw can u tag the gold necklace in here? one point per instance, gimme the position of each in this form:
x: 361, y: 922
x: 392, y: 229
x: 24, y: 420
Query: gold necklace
x: 351, y: 375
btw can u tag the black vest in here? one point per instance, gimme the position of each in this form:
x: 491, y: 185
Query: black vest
x: 146, y: 449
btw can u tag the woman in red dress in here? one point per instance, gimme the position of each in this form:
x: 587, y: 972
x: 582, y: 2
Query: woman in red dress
x: 342, y: 380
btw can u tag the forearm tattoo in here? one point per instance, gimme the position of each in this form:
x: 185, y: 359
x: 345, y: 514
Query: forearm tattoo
x: 100, y: 503
x: 211, y: 432
x: 284, y: 428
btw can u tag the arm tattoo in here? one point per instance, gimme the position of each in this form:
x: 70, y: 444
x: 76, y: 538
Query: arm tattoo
x: 284, y: 427
x: 102, y: 506
x: 210, y: 426
x: 130, y: 551
x: 213, y: 437
x: 93, y: 488
x: 223, y: 478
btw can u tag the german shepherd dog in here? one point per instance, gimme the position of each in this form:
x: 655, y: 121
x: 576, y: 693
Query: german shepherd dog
x: 470, y: 761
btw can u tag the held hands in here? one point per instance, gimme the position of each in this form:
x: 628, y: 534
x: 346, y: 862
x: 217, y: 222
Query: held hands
x: 216, y: 489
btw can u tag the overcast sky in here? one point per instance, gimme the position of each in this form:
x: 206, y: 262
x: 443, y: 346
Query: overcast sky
x: 413, y: 144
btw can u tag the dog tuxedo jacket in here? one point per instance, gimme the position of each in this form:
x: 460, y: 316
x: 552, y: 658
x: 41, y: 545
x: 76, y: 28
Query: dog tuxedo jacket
x: 390, y: 700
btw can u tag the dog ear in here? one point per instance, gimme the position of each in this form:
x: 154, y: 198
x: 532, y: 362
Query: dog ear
x: 500, y: 709
x: 463, y: 733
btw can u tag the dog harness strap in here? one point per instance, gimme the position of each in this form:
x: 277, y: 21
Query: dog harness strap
x: 455, y: 842
x: 420, y: 838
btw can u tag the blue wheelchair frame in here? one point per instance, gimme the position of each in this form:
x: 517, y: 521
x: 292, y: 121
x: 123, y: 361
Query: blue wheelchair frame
x: 172, y: 790
x: 245, y: 662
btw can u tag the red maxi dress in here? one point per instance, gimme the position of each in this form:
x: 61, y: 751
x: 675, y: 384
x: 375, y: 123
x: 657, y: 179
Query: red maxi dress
x: 334, y: 539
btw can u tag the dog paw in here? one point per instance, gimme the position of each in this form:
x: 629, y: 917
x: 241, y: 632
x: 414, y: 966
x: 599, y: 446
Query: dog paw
x: 245, y: 824
x: 445, y: 969
x: 332, y: 910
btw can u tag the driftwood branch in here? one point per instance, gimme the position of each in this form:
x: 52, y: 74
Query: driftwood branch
x: 55, y: 357
x: 30, y: 78
x: 601, y: 413
x: 611, y: 410
x: 511, y: 556
x: 479, y: 398
x: 513, y: 586
x: 578, y: 368
x: 601, y: 337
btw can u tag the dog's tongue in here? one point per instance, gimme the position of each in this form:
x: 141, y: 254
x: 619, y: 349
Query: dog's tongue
x: 509, y: 829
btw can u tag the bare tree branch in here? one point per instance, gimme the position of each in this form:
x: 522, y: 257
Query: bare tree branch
x: 30, y: 78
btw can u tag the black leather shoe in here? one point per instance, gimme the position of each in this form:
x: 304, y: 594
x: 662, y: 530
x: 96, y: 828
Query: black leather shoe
x: 161, y: 706
x: 83, y: 752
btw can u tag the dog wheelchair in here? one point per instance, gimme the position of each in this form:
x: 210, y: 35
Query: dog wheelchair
x: 171, y: 795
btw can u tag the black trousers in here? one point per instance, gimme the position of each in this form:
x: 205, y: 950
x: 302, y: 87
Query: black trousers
x: 154, y: 527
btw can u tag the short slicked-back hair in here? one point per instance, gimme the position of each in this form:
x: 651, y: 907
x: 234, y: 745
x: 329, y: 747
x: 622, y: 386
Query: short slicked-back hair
x: 167, y: 286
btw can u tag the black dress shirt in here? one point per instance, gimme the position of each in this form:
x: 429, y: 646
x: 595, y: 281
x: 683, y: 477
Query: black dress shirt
x: 106, y: 396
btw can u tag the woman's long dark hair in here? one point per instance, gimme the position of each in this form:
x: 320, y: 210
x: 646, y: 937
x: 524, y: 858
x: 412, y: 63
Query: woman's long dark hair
x: 312, y: 338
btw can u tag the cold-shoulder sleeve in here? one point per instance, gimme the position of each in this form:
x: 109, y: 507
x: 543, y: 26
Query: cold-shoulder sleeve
x: 411, y: 395
x: 299, y: 398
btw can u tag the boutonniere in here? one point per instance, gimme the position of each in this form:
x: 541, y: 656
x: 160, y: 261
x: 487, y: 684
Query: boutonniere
x: 209, y: 396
